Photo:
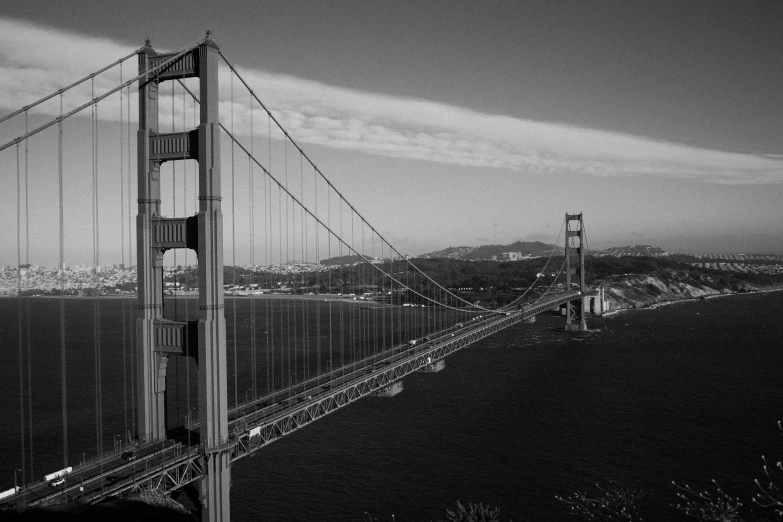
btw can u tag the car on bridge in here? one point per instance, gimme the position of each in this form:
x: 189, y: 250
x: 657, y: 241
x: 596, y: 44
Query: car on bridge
x: 128, y: 455
x: 114, y: 479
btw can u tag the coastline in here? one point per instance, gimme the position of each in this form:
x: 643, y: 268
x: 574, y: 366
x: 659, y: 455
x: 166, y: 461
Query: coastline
x: 668, y: 293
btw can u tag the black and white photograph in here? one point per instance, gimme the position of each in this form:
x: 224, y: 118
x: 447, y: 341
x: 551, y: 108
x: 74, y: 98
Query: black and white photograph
x: 460, y: 261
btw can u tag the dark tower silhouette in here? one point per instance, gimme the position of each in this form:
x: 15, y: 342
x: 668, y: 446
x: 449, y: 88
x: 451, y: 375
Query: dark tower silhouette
x: 575, y: 265
x: 204, y: 339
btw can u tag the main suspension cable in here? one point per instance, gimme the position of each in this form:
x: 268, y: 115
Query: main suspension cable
x: 543, y: 271
x: 71, y: 86
x: 95, y: 100
x: 478, y: 309
x: 288, y: 136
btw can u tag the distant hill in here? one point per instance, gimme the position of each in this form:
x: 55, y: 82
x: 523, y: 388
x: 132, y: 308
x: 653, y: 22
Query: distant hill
x: 531, y: 248
x: 534, y: 249
x: 342, y: 260
x: 636, y: 251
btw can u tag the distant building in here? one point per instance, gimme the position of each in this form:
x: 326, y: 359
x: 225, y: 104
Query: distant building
x: 513, y: 256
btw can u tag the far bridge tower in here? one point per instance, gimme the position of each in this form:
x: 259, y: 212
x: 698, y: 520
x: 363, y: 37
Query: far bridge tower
x: 575, y: 266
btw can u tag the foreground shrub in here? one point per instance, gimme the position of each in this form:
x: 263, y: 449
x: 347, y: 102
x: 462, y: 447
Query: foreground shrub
x: 711, y: 507
x: 610, y: 503
x: 474, y: 513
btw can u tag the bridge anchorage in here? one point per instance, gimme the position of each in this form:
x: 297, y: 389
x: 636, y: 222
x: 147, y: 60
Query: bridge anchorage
x: 329, y: 334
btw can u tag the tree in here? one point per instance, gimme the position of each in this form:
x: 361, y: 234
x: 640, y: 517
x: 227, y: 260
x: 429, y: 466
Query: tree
x: 706, y: 506
x: 610, y: 503
x: 771, y: 495
x: 474, y: 513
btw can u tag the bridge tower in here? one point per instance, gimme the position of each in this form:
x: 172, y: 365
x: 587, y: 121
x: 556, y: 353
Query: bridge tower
x: 574, y: 266
x: 159, y: 338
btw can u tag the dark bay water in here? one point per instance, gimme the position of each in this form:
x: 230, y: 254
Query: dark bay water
x: 688, y: 392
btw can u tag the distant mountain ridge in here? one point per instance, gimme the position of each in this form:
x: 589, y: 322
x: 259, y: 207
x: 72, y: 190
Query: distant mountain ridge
x: 532, y: 248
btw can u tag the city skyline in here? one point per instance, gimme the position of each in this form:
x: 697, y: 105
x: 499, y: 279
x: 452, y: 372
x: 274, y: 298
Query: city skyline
x: 662, y: 129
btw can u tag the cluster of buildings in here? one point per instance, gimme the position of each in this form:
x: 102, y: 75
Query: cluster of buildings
x: 118, y: 279
x: 70, y: 279
x: 744, y: 268
x: 743, y: 263
x: 512, y: 256
x: 743, y: 257
x: 632, y: 251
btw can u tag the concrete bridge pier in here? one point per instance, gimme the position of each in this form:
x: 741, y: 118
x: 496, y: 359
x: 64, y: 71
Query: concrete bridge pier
x: 390, y: 390
x: 433, y: 367
x: 598, y: 303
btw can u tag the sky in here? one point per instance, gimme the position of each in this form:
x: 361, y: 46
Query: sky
x: 453, y: 123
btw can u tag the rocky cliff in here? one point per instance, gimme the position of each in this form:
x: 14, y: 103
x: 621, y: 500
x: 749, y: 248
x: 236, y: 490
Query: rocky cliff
x: 639, y: 291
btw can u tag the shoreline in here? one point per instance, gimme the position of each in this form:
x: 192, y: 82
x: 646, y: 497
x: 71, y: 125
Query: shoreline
x: 655, y: 306
x: 326, y: 298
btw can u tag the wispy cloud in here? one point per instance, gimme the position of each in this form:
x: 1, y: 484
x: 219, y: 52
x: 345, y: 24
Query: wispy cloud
x: 35, y: 61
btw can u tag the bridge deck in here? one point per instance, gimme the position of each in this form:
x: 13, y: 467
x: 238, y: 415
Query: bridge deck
x: 170, y: 465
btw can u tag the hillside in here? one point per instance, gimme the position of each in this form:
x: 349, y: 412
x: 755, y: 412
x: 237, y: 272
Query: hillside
x: 533, y: 248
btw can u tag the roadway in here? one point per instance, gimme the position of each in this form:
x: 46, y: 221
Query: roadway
x: 172, y: 463
x: 101, y: 475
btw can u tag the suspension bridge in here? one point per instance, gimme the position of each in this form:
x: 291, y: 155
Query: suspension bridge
x: 293, y: 306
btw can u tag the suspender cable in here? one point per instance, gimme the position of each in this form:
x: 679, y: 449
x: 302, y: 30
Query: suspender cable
x: 280, y: 264
x: 289, y: 138
x: 175, y: 272
x: 305, y: 308
x: 375, y: 310
x: 234, y: 249
x: 329, y: 268
x: 27, y: 301
x: 587, y: 249
x: 287, y: 272
x: 365, y: 316
x: 342, y: 300
x: 317, y: 283
x: 478, y: 309
x: 63, y: 374
x: 400, y: 258
x: 19, y: 318
x: 383, y: 310
x: 403, y: 297
x: 96, y: 282
x: 252, y: 232
x: 352, y: 274
x: 292, y: 302
x: 290, y: 255
x: 188, y: 420
x: 270, y: 354
x: 301, y: 280
x: 130, y: 263
x: 122, y: 250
